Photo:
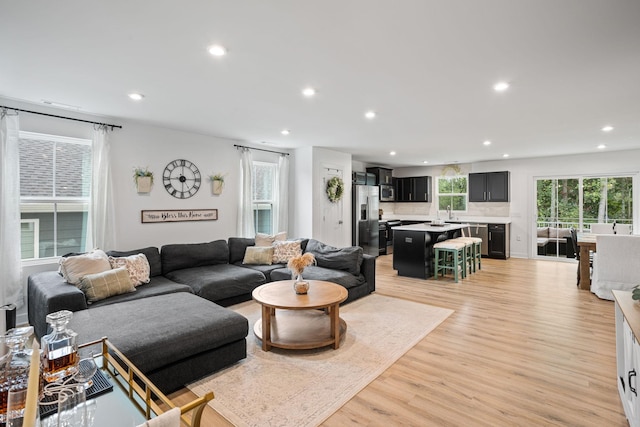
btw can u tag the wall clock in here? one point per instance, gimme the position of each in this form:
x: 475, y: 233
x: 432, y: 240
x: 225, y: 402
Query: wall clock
x: 181, y: 179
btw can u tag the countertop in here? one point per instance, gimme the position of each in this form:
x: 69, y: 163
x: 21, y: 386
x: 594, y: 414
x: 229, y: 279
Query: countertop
x: 429, y: 228
x: 460, y: 219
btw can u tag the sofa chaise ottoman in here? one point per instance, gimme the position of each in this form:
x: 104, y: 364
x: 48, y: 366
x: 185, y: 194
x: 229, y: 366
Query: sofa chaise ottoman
x: 172, y: 349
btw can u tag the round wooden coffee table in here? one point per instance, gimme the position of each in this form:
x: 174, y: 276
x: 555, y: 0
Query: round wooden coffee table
x: 300, y: 324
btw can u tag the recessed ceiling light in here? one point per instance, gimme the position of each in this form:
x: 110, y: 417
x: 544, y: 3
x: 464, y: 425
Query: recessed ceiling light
x: 425, y: 161
x: 607, y: 128
x: 487, y: 142
x: 505, y: 155
x: 217, y: 50
x: 285, y: 132
x: 370, y: 115
x: 601, y: 147
x: 308, y: 92
x: 136, y: 96
x: 392, y: 153
x: 501, y: 86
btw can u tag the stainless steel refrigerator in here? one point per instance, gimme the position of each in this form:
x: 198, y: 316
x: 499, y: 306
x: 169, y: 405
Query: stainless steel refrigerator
x: 365, y: 231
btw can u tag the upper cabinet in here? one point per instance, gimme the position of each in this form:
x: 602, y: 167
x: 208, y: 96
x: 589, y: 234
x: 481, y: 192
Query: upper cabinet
x: 413, y: 189
x: 489, y: 187
x: 383, y: 175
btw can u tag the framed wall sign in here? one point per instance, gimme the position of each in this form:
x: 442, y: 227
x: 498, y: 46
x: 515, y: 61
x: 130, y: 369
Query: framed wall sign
x: 179, y: 215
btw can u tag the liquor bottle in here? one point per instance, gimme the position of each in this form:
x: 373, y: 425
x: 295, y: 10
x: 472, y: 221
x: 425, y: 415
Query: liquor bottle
x: 59, y: 348
x: 16, y: 372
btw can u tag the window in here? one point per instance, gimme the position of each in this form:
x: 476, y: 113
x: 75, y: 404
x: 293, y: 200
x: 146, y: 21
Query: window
x: 577, y: 202
x: 264, y: 197
x: 452, y: 192
x: 55, y: 183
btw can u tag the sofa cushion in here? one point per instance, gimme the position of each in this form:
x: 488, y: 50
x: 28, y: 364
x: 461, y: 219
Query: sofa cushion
x: 159, y: 285
x: 218, y: 282
x: 347, y: 259
x: 137, y: 266
x: 238, y: 247
x: 340, y: 277
x: 543, y: 232
x: 266, y: 269
x: 153, y: 257
x: 102, y: 285
x: 258, y: 255
x: 155, y: 332
x: 189, y: 255
x: 74, y: 268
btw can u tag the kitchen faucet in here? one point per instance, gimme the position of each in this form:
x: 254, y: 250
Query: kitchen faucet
x: 449, y: 212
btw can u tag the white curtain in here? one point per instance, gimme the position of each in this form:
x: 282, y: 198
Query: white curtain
x: 101, y: 230
x: 245, y: 210
x: 281, y: 217
x: 10, y: 264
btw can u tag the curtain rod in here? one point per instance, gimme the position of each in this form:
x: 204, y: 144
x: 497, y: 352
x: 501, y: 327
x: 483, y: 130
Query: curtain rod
x: 260, y: 149
x: 62, y: 117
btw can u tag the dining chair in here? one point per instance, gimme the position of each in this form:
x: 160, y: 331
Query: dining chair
x: 602, y: 228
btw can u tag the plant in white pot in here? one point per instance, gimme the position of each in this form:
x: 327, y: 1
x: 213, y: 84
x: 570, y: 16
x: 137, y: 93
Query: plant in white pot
x: 217, y: 183
x: 143, y: 178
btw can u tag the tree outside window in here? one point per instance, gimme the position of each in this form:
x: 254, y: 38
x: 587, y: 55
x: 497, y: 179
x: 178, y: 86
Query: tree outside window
x: 452, y: 192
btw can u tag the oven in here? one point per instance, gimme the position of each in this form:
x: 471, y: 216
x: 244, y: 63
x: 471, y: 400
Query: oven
x: 386, y: 193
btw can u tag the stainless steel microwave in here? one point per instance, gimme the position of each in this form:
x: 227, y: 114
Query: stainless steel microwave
x: 386, y: 193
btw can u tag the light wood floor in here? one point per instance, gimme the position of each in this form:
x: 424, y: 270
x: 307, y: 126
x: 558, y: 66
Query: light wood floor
x: 524, y: 347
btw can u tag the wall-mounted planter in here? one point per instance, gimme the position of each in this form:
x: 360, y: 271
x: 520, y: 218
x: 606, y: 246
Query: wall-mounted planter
x: 216, y: 187
x: 143, y: 184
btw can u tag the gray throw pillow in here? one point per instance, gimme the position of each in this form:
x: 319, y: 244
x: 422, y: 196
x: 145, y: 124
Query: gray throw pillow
x: 346, y: 259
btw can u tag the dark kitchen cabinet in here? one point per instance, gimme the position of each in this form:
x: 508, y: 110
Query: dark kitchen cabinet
x: 383, y: 175
x: 413, y: 189
x: 499, y: 241
x: 489, y: 187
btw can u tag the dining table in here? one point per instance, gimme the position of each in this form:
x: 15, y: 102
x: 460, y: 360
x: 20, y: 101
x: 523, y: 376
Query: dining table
x: 586, y: 244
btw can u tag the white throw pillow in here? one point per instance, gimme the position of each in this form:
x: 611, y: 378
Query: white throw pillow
x: 268, y: 240
x: 74, y: 268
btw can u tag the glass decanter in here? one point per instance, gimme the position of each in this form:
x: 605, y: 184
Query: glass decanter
x: 5, y: 377
x: 16, y: 371
x: 59, y: 348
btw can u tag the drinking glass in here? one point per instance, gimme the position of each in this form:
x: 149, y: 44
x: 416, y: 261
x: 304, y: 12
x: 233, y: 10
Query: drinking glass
x: 86, y: 368
x: 71, y: 406
x: 15, y: 406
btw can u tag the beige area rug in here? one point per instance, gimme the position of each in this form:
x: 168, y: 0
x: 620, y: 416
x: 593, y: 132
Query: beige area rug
x: 303, y: 388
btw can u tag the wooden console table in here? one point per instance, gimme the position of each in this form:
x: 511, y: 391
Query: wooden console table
x: 586, y: 243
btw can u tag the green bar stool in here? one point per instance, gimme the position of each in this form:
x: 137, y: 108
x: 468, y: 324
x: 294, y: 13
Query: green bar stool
x: 477, y: 248
x: 469, y: 253
x: 449, y: 256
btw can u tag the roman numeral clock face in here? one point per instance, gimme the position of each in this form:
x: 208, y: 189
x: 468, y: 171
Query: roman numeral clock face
x: 181, y: 179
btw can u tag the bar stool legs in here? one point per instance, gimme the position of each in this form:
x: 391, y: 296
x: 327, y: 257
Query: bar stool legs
x: 450, y: 256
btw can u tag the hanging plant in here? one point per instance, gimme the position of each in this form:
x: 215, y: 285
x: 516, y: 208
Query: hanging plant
x: 335, y: 189
x: 143, y: 178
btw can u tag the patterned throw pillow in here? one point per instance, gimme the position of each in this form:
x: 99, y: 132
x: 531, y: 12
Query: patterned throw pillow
x: 256, y: 255
x: 137, y: 266
x: 74, y: 268
x: 284, y: 251
x: 108, y: 283
x: 268, y: 240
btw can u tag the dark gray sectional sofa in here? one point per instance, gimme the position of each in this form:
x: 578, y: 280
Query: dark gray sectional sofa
x: 175, y: 328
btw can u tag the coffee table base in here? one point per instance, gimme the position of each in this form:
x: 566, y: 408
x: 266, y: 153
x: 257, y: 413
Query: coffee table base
x: 300, y: 330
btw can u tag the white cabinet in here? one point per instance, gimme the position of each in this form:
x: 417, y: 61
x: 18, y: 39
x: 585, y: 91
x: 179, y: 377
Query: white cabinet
x: 627, y: 356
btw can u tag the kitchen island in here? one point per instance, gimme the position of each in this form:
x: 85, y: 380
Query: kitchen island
x: 413, y: 247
